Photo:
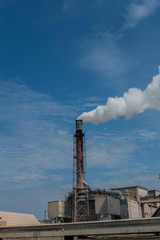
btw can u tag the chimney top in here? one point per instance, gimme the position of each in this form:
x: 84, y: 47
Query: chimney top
x: 79, y: 124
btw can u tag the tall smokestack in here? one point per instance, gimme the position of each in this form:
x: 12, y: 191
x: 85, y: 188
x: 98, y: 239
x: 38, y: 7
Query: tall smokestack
x: 80, y: 190
x: 79, y: 152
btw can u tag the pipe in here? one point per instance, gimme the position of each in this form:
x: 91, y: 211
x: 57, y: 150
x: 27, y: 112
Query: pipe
x: 104, y: 191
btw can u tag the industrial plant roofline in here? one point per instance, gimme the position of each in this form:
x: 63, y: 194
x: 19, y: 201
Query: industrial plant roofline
x: 137, y: 186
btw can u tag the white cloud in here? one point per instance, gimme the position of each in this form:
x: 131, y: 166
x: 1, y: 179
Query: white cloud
x: 136, y: 12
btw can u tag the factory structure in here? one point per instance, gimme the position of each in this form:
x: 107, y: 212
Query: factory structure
x: 85, y: 203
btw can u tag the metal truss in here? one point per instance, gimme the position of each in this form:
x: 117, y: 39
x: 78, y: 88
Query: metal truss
x: 81, y: 204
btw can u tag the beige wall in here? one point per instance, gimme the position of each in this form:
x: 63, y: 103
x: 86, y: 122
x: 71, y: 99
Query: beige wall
x: 134, y: 210
x: 142, y: 192
x: 56, y: 209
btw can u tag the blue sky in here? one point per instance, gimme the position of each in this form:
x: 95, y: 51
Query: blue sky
x: 59, y: 59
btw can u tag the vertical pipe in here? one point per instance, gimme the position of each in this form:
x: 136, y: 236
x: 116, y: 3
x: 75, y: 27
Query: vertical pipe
x: 79, y: 152
x: 45, y: 215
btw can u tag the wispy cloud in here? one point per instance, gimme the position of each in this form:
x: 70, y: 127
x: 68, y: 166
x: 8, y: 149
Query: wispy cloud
x: 68, y: 4
x: 35, y: 146
x: 102, y: 51
x: 146, y: 180
x: 110, y: 150
x: 145, y: 135
x: 121, y: 179
x: 119, y: 158
x: 109, y: 154
x: 32, y: 137
x: 106, y: 58
x: 136, y: 12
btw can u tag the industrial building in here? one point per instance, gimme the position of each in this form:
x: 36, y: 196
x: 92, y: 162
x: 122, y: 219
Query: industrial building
x: 87, y: 204
x: 139, y: 202
x: 133, y: 203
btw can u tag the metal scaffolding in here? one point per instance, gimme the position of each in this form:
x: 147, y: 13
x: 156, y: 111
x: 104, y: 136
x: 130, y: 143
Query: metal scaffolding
x: 81, y: 206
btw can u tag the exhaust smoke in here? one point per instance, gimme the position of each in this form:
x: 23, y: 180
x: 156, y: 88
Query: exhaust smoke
x: 134, y: 101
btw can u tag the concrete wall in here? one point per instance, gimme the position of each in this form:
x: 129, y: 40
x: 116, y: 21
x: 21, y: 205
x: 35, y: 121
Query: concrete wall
x: 142, y: 192
x: 134, y: 210
x: 153, y: 193
x: 113, y: 206
x: 134, y: 191
x: 61, y: 231
x: 148, y: 210
x: 101, y: 205
x: 107, y: 205
x: 56, y: 209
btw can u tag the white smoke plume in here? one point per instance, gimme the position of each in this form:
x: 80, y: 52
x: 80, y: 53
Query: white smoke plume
x: 134, y: 101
